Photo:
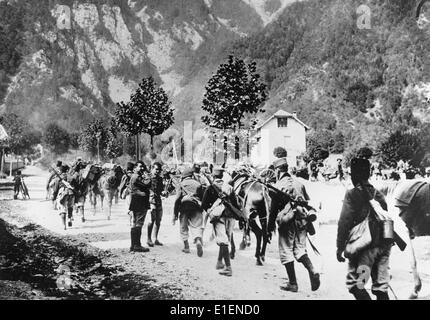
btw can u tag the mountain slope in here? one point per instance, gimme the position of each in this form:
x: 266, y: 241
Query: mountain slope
x: 74, y: 75
x: 354, y: 83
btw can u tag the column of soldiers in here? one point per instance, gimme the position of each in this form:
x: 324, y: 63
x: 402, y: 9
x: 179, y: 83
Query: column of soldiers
x: 200, y: 198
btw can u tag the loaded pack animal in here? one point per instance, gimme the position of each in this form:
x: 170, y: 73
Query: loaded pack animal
x: 410, y: 200
x: 107, y: 185
x: 93, y: 173
x: 260, y: 206
x: 80, y: 184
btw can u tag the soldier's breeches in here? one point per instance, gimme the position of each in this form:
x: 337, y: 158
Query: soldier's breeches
x: 191, y: 222
x: 223, y: 230
x: 292, y: 244
x: 139, y: 219
x: 370, y: 263
x: 157, y: 215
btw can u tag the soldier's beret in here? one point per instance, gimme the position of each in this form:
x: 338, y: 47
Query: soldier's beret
x: 59, y: 163
x: 188, y: 172
x: 280, y: 163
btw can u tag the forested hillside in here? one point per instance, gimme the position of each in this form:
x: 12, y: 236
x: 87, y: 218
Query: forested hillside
x: 352, y: 86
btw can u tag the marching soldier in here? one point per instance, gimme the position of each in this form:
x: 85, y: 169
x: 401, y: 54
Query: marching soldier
x: 140, y: 185
x: 66, y: 196
x: 376, y: 256
x: 157, y: 191
x: 80, y: 188
x: 52, y: 177
x: 188, y: 210
x: 293, y: 232
x: 222, y: 218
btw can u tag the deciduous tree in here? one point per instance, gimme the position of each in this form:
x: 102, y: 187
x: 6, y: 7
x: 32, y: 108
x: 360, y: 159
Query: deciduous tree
x: 149, y: 111
x: 234, y: 91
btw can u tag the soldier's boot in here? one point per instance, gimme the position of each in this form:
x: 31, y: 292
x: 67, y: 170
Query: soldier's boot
x: 219, y: 264
x: 133, y: 239
x: 292, y: 280
x: 186, y: 247
x: 199, y: 245
x: 139, y: 245
x: 381, y: 295
x: 313, y: 276
x: 360, y: 294
x: 228, y: 272
x: 136, y: 246
x: 149, y: 241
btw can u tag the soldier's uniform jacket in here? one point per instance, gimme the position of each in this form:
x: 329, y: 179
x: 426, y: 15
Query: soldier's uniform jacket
x: 292, y: 186
x: 62, y: 191
x: 65, y: 177
x: 140, y: 186
x: 354, y: 210
x: 211, y: 196
x: 157, y: 187
x: 188, y: 196
x: 295, y: 189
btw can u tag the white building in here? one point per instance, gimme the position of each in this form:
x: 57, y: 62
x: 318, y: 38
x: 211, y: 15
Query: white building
x: 283, y: 129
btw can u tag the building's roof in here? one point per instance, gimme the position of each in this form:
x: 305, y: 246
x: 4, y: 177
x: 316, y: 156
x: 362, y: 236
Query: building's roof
x: 283, y: 114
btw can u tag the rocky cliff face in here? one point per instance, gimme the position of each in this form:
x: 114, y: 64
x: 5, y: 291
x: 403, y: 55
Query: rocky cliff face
x: 71, y: 73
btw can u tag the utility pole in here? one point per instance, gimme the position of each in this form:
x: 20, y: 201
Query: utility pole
x: 98, y: 136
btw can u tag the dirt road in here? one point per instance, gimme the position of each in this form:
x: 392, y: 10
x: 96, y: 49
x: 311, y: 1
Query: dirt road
x: 165, y: 272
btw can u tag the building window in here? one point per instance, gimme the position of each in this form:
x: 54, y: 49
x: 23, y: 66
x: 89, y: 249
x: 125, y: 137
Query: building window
x: 282, y: 122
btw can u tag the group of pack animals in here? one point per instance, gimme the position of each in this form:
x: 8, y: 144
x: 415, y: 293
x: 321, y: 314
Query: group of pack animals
x: 260, y: 203
x: 97, y: 182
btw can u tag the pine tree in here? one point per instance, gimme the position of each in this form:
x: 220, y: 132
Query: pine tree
x: 149, y: 111
x: 234, y: 91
